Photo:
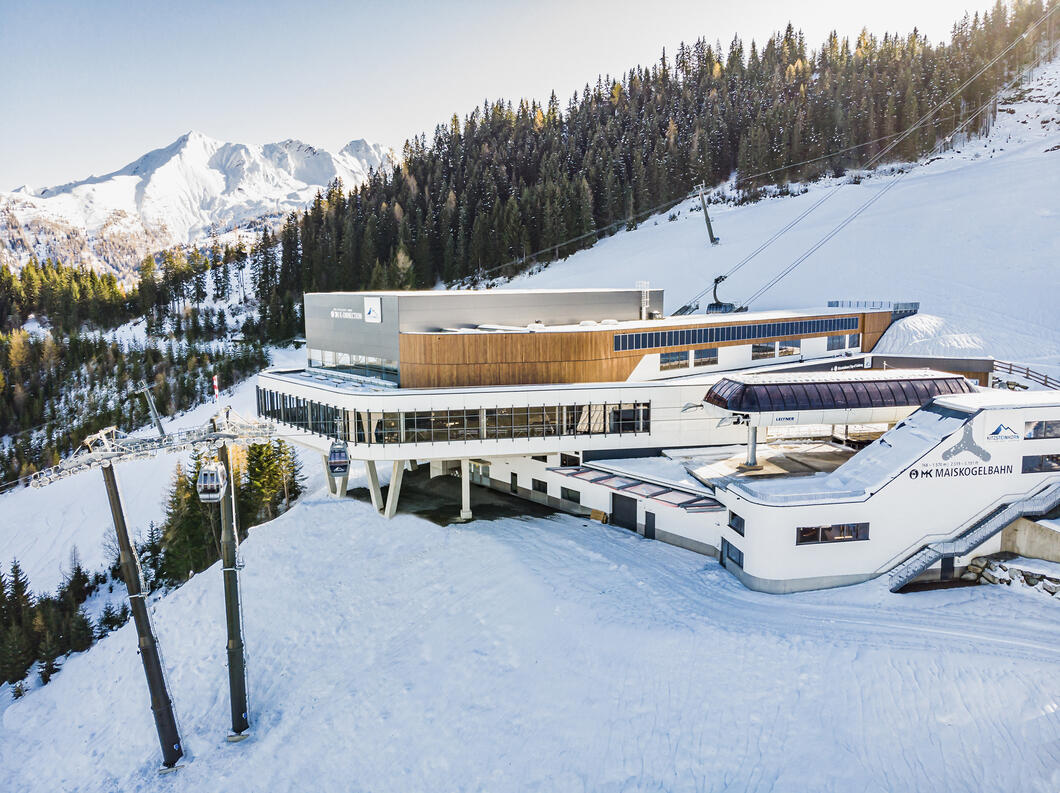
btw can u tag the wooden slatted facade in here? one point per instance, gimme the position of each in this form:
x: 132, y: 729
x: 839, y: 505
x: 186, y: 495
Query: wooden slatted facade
x: 453, y: 360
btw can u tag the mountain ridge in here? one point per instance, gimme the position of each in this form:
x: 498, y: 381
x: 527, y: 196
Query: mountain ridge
x: 179, y: 194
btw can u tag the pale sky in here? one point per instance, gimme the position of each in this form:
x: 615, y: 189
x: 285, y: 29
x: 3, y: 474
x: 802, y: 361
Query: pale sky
x: 90, y: 85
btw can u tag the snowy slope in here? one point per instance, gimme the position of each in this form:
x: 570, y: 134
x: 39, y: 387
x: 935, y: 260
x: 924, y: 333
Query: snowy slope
x: 40, y: 527
x: 553, y: 655
x: 974, y: 235
x: 174, y: 195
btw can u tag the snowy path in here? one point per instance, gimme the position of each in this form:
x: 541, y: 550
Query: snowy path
x: 553, y: 655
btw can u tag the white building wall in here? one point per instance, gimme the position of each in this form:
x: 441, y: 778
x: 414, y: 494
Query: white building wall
x: 903, y: 515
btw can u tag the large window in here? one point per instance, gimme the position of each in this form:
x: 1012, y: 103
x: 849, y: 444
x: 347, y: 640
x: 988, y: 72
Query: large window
x: 570, y: 495
x: 723, y: 333
x: 359, y: 365
x: 791, y: 347
x: 854, y: 340
x: 707, y: 357
x: 837, y: 342
x: 539, y: 486
x: 839, y: 532
x: 1041, y: 463
x: 763, y: 350
x: 673, y: 360
x: 1039, y: 430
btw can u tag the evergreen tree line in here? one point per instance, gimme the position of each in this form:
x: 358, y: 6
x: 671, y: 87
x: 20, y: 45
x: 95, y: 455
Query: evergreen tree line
x: 56, y: 390
x: 45, y: 628
x: 68, y: 296
x: 513, y: 182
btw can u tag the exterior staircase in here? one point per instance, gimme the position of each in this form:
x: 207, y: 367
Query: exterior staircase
x: 1045, y: 500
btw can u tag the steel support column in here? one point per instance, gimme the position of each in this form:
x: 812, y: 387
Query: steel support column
x: 237, y: 670
x: 161, y: 705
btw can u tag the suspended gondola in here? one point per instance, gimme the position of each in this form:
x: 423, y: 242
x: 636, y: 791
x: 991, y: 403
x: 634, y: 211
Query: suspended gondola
x: 338, y: 459
x: 212, y: 482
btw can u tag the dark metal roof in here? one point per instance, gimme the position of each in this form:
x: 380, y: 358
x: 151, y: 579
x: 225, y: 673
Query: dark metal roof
x: 833, y: 394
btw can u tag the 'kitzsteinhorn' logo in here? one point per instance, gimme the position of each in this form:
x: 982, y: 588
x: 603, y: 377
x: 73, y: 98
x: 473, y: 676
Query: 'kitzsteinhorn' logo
x: 966, y: 444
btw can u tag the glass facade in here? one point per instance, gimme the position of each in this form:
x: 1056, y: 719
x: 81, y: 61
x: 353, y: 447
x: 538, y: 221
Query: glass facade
x: 791, y: 347
x: 1039, y: 430
x: 763, y: 330
x: 836, y: 343
x: 840, y: 532
x: 360, y: 365
x: 447, y: 426
x: 766, y: 397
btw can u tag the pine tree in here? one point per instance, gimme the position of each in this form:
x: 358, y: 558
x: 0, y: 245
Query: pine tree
x: 80, y: 632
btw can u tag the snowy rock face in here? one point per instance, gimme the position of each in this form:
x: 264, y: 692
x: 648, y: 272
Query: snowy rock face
x: 179, y: 194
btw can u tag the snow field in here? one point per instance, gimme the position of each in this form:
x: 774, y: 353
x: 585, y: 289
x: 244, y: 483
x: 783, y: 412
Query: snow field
x: 556, y: 655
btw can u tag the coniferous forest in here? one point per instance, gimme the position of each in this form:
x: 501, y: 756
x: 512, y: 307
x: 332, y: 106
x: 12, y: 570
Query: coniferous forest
x: 511, y: 183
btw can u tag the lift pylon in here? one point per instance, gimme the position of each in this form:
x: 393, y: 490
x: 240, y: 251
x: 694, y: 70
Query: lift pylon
x: 237, y: 670
x: 161, y: 705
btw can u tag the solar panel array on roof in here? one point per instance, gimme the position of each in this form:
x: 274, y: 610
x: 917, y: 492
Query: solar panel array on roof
x: 833, y: 395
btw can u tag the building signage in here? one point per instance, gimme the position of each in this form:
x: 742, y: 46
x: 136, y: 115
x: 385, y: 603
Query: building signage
x: 783, y: 419
x: 1003, y: 433
x: 951, y: 470
x: 345, y: 313
x: 373, y: 309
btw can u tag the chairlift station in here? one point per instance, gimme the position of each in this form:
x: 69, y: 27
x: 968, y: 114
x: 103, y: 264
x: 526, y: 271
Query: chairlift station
x: 776, y: 441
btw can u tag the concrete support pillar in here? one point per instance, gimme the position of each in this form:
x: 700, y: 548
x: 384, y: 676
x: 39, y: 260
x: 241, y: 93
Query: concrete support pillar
x: 394, y: 491
x: 465, y: 489
x: 752, y: 447
x: 373, y: 485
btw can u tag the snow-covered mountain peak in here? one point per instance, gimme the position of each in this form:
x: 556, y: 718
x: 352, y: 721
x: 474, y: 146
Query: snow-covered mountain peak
x: 177, y: 194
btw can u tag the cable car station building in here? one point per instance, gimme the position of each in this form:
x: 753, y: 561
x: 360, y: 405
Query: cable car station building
x: 550, y: 394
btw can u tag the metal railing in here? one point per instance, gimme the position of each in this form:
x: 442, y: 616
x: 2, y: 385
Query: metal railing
x: 983, y: 529
x: 1025, y: 371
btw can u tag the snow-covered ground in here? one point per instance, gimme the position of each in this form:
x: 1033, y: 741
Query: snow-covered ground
x: 40, y: 527
x: 556, y: 655
x: 973, y: 235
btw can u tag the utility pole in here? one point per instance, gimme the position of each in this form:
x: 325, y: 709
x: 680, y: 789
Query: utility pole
x: 706, y: 216
x: 237, y: 670
x: 161, y: 705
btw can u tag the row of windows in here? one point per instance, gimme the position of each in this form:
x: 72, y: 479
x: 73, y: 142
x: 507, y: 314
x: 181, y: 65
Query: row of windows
x: 808, y: 535
x: 1037, y: 430
x: 455, y: 425
x: 1041, y: 463
x: 840, y: 532
x: 707, y: 356
x: 762, y: 330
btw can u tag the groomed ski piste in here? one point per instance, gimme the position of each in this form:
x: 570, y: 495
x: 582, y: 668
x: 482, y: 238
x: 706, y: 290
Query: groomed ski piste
x: 560, y: 654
